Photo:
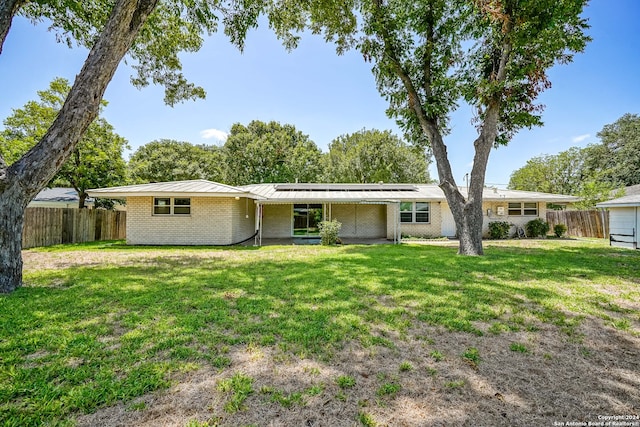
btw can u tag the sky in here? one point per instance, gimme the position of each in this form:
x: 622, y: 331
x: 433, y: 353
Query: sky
x: 325, y: 95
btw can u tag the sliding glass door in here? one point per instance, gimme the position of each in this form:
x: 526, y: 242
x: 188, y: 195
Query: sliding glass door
x: 306, y: 218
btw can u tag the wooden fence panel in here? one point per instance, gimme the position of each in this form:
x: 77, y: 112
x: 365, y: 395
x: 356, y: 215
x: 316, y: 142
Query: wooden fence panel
x: 53, y: 226
x: 592, y: 223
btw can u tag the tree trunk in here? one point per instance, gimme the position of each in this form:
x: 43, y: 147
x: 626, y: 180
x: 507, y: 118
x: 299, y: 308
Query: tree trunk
x: 8, y: 9
x: 82, y: 197
x: 21, y: 181
x: 11, y: 222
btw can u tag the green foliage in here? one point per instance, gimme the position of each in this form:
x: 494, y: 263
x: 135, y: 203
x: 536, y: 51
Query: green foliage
x: 499, y: 229
x: 537, y: 227
x: 366, y: 420
x: 175, y: 26
x: 370, y: 156
x: 593, y: 173
x: 559, y: 230
x: 168, y: 160
x: 270, y: 152
x: 389, y: 389
x: 617, y: 157
x: 345, y: 381
x: 518, y: 347
x: 240, y: 387
x: 329, y: 231
x: 562, y: 173
x: 437, y: 356
x: 472, y: 356
x: 95, y: 162
x: 405, y: 367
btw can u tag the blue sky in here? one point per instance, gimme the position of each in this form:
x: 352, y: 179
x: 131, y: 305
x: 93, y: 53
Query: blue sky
x: 325, y: 95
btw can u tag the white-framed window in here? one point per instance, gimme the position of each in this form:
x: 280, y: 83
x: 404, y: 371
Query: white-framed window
x: 171, y: 206
x: 523, y: 209
x: 414, y: 212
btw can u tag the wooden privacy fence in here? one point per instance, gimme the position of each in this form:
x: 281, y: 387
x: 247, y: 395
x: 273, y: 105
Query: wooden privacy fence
x: 593, y: 223
x: 53, y: 226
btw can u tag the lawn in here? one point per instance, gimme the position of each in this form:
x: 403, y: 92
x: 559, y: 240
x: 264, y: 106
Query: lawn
x: 535, y: 331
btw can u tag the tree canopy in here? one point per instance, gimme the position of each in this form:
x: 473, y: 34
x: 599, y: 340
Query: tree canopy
x: 592, y: 173
x: 430, y: 55
x: 372, y: 156
x: 168, y: 160
x: 96, y: 161
x: 270, y: 152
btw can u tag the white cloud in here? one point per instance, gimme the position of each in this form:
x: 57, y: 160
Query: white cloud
x: 580, y: 138
x: 220, y: 135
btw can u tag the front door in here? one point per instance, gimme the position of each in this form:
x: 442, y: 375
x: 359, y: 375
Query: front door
x: 305, y: 219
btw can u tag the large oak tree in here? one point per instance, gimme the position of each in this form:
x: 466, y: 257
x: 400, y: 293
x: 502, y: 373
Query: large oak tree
x: 430, y: 56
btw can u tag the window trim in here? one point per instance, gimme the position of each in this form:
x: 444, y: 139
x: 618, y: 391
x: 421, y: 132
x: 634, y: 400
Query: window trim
x: 171, y: 206
x: 523, y: 209
x: 414, y: 213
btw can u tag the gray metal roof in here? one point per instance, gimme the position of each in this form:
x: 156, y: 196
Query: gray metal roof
x: 197, y: 187
x: 314, y: 192
x: 626, y: 201
x: 58, y: 194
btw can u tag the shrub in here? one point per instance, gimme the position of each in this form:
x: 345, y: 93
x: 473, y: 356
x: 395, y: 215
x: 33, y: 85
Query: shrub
x: 329, y: 232
x: 537, y: 227
x: 499, y: 229
x: 559, y: 230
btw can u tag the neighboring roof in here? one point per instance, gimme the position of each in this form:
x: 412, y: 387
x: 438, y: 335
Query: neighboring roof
x: 197, y: 188
x: 632, y: 190
x: 314, y: 192
x: 626, y: 201
x: 59, y: 194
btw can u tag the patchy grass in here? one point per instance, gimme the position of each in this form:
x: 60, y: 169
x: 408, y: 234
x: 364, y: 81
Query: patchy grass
x: 102, y: 324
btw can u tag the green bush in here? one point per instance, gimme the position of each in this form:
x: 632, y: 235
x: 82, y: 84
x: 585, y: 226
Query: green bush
x: 537, y: 227
x: 559, y: 230
x: 499, y: 229
x: 329, y: 232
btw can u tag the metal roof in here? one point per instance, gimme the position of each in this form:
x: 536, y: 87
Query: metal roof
x: 315, y: 192
x: 197, y: 187
x: 58, y: 194
x: 626, y: 201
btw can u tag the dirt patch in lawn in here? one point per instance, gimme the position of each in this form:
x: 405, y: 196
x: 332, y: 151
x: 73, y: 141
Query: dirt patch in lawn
x: 518, y: 379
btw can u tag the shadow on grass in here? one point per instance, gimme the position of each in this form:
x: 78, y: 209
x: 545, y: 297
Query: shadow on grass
x: 81, y: 338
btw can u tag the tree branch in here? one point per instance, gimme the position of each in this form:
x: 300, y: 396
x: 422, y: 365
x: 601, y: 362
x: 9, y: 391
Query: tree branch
x: 33, y: 170
x: 8, y: 9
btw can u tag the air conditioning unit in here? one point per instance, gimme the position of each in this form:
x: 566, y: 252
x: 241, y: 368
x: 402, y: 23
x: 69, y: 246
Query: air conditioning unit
x: 500, y: 210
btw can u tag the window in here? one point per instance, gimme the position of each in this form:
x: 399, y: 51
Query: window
x: 414, y: 212
x: 171, y: 206
x: 520, y: 209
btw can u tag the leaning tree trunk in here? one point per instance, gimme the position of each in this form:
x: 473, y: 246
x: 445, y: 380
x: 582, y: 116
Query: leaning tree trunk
x: 21, y: 181
x: 8, y: 9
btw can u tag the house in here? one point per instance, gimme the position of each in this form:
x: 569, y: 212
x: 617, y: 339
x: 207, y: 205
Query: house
x: 58, y: 198
x: 624, y: 218
x: 201, y: 212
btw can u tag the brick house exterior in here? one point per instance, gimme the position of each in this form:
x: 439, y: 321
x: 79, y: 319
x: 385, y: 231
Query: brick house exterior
x: 201, y: 212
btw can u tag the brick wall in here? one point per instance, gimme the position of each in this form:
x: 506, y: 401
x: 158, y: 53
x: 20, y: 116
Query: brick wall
x: 276, y: 221
x: 244, y: 219
x: 431, y: 229
x: 368, y: 221
x: 210, y: 223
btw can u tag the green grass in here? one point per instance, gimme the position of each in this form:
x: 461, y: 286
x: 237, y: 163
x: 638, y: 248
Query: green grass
x: 78, y: 339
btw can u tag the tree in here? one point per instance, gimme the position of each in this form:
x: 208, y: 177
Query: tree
x: 154, y: 32
x: 372, y: 156
x: 95, y: 162
x: 429, y: 55
x: 270, y: 152
x: 617, y: 158
x: 562, y: 173
x: 169, y: 160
